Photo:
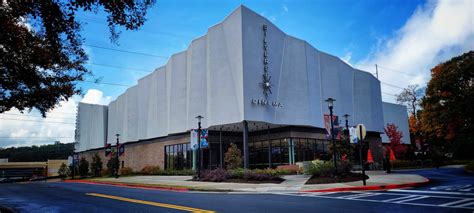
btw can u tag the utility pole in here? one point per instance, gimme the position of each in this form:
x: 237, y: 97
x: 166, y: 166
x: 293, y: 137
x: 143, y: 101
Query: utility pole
x: 376, y: 71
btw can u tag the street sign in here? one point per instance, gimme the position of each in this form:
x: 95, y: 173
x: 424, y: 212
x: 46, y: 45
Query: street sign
x: 121, y: 149
x: 108, y: 149
x: 361, y: 132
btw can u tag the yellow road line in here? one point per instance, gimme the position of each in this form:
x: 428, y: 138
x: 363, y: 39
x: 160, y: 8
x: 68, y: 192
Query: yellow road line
x: 164, y: 205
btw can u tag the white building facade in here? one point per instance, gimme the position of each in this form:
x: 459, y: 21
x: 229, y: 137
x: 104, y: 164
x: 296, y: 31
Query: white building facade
x: 246, y: 78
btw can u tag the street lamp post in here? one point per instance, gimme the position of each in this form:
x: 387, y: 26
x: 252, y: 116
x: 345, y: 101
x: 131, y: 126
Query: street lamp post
x: 346, y: 116
x: 330, y: 102
x: 199, y: 117
x: 117, y: 156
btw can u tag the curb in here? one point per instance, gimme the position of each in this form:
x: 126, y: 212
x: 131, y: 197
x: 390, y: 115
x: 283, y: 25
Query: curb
x: 137, y: 186
x: 370, y: 188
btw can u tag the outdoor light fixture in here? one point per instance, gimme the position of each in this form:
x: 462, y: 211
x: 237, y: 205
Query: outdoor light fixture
x: 330, y: 102
x: 199, y: 117
x: 346, y: 116
x: 117, y: 154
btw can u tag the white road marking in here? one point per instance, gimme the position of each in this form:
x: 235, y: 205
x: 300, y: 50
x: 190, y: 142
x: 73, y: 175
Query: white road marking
x: 431, y: 192
x: 399, y: 198
x: 466, y: 204
x: 358, y: 195
x: 411, y: 199
x: 456, y: 202
x: 403, y: 200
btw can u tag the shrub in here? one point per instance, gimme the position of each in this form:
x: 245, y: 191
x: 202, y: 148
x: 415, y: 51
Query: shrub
x: 216, y: 175
x: 150, y: 170
x: 288, y: 169
x: 112, y: 164
x: 105, y: 172
x: 236, y: 173
x: 344, y: 168
x: 233, y: 157
x: 96, y: 165
x: 320, y: 168
x: 262, y: 175
x: 63, y: 171
x: 83, y: 167
x: 126, y: 171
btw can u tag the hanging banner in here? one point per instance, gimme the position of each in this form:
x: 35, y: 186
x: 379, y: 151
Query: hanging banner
x: 204, y: 137
x: 194, y: 139
x: 353, y: 135
x: 327, y: 123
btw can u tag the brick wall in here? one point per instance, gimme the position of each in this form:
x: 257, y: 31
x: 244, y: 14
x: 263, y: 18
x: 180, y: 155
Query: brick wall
x: 141, y: 154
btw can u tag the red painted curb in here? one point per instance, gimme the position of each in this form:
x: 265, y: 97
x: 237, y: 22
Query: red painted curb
x: 368, y: 188
x: 162, y: 188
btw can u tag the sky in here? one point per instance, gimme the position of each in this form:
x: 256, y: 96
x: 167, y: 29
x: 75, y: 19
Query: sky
x: 405, y: 38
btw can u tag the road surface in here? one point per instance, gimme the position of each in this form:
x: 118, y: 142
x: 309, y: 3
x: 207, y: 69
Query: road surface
x: 451, y: 190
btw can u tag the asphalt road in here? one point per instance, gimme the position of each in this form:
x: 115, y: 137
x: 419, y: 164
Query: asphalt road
x: 451, y: 190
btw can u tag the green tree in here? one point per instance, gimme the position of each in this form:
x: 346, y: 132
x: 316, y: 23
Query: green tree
x: 63, y: 171
x: 448, y: 112
x: 83, y: 167
x: 233, y: 157
x: 42, y: 55
x: 96, y: 165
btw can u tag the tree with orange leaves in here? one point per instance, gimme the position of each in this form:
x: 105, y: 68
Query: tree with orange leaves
x: 448, y: 106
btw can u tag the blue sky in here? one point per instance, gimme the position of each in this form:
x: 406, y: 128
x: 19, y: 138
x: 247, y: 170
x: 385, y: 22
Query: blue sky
x: 406, y: 38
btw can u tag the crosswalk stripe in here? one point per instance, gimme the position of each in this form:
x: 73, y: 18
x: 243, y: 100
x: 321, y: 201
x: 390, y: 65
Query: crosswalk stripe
x: 400, y: 198
x: 466, y: 204
x: 358, y: 195
x: 456, y: 202
x: 411, y: 199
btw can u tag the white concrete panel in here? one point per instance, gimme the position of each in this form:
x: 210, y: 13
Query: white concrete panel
x: 197, y: 81
x: 223, y: 105
x: 293, y: 87
x: 253, y: 50
x: 314, y: 86
x: 132, y: 114
x: 92, y: 126
x: 396, y: 114
x: 112, y: 122
x: 158, y: 117
x: 143, y: 99
x: 177, y: 93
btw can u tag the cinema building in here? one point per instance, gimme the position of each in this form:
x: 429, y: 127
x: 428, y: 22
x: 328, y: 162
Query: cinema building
x: 255, y: 86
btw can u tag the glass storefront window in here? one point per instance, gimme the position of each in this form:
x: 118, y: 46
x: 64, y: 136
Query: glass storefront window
x: 178, y: 156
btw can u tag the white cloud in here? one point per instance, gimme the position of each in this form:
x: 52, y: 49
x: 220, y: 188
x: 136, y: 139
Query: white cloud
x: 284, y: 9
x: 59, y: 125
x: 434, y: 33
x: 94, y: 96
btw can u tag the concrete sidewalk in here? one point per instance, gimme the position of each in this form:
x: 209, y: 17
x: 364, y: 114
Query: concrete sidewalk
x: 292, y: 183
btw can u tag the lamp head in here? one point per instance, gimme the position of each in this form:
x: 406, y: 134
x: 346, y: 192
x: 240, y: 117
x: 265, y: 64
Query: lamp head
x: 330, y: 101
x: 199, y: 117
x: 346, y: 116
